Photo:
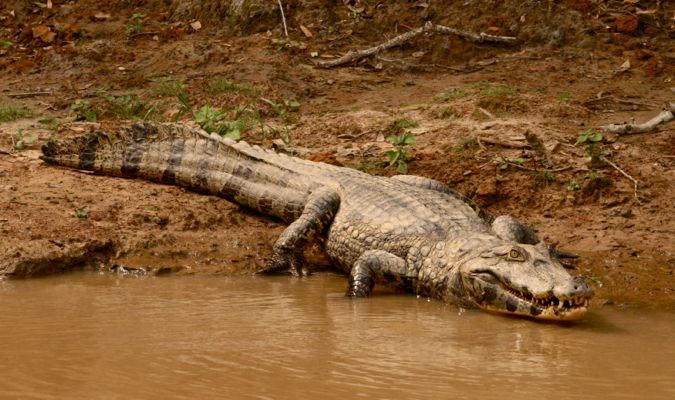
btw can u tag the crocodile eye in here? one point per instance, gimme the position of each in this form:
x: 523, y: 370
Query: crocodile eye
x: 515, y: 255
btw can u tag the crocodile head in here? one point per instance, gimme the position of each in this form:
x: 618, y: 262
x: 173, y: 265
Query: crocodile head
x: 521, y: 279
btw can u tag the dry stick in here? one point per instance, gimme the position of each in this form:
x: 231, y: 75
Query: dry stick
x: 475, y: 37
x: 626, y: 129
x: 28, y: 94
x: 354, y: 55
x: 283, y: 18
x: 635, y: 183
x: 509, y: 145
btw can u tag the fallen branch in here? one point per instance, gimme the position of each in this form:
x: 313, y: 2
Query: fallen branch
x: 626, y: 129
x: 635, y: 182
x: 475, y: 37
x: 354, y: 55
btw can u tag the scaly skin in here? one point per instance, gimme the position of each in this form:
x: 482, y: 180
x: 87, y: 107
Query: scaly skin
x: 409, y: 231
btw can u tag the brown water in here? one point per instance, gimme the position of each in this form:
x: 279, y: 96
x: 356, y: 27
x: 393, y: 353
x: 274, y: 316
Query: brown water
x: 91, y: 336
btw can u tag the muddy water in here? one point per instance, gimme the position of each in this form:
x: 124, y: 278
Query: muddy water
x: 85, y: 335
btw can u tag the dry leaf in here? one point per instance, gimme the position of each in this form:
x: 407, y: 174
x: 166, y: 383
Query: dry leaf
x: 306, y: 31
x: 624, y: 67
x: 196, y: 25
x: 44, y: 33
x: 49, y: 4
x: 631, y: 1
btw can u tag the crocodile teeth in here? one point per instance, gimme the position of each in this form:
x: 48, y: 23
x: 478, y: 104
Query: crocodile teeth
x: 552, y: 301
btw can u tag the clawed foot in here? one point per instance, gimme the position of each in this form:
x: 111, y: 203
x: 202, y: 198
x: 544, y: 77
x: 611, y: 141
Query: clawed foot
x: 283, y: 264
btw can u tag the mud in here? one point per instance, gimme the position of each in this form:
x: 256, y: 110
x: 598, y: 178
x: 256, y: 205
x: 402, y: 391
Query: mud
x: 472, y: 104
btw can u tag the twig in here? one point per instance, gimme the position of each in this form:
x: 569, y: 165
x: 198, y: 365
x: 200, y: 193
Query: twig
x: 28, y: 94
x: 536, y: 169
x: 354, y: 55
x: 475, y: 37
x: 635, y: 183
x: 509, y: 145
x: 626, y: 129
x: 486, y: 113
x: 137, y: 34
x: 283, y: 17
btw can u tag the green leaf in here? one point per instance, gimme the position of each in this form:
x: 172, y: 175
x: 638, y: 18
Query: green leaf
x: 41, y: 5
x: 516, y: 160
x: 234, y: 134
x: 394, y: 139
x: 294, y: 104
x: 393, y: 156
x: 184, y: 101
x: 408, y: 138
x: 5, y: 44
x: 597, y: 137
x: 402, y: 168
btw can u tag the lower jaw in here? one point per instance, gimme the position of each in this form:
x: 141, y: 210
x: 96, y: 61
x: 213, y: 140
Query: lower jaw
x: 548, y: 314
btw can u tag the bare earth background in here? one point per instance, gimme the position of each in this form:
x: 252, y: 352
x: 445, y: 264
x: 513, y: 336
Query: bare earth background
x: 71, y: 67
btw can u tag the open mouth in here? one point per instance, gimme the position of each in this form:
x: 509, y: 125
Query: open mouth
x: 551, y: 302
x: 505, y: 299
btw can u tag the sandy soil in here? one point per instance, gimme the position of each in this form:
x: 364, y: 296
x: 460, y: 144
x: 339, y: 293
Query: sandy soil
x: 578, y: 65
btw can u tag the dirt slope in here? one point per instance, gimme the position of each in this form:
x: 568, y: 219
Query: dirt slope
x: 578, y: 65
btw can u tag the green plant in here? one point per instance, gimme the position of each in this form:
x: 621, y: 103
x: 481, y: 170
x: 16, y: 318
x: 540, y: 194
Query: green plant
x: 400, y: 125
x: 84, y: 111
x: 451, y: 94
x: 486, y: 89
x: 221, y: 84
x: 126, y: 107
x: 370, y: 166
x: 169, y: 88
x: 400, y: 155
x: 134, y: 25
x: 466, y: 143
x: 282, y: 109
x: 21, y: 141
x: 546, y: 177
x: 11, y: 112
x: 213, y: 119
x: 591, y: 141
x: 564, y: 97
x: 81, y: 213
x: 504, y: 162
x: 572, y: 186
x: 5, y: 44
x: 287, y: 44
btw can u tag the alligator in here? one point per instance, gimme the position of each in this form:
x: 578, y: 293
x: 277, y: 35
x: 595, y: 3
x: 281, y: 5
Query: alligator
x: 408, y: 231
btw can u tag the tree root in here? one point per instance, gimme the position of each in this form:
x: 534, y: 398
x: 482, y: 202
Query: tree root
x: 626, y: 129
x: 354, y: 55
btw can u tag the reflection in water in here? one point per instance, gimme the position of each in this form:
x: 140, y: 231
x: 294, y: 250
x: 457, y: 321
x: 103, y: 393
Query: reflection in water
x: 101, y: 336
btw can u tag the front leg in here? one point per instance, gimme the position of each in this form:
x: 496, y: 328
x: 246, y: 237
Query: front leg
x: 318, y: 214
x: 376, y: 265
